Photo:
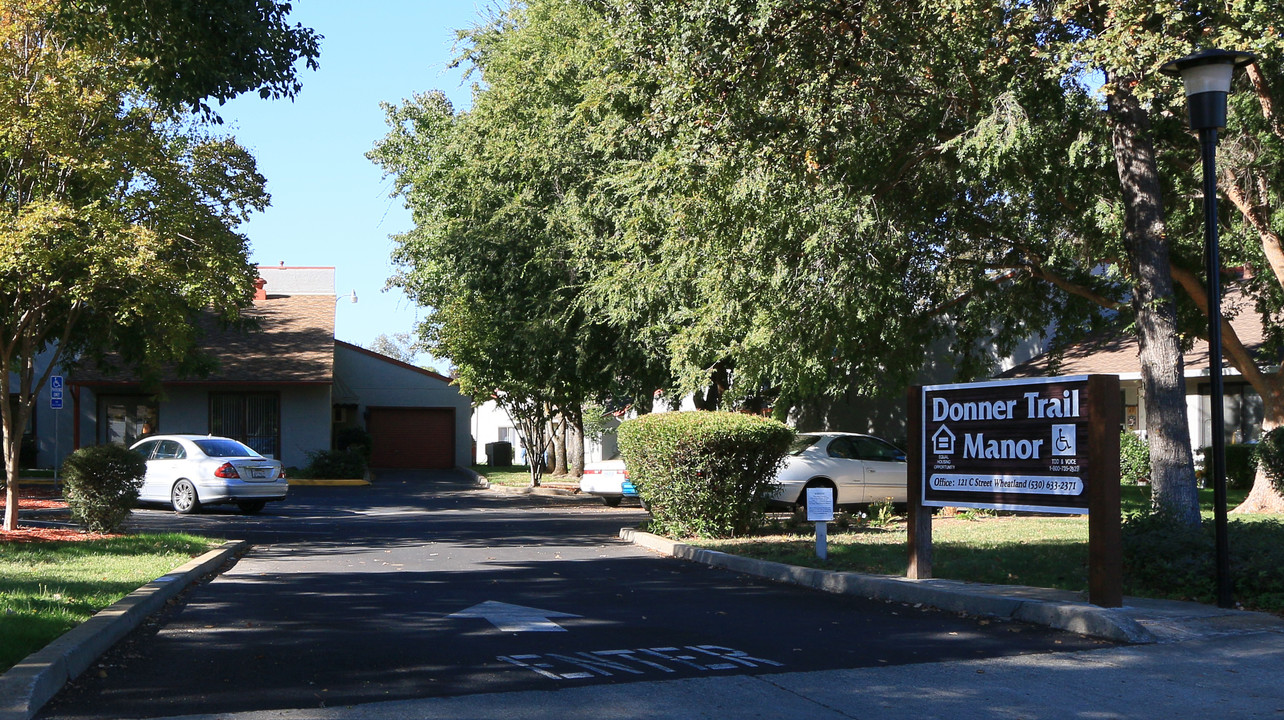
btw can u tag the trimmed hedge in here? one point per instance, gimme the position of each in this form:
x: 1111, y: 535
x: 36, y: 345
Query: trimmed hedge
x: 706, y: 474
x: 1241, y: 466
x: 101, y: 485
x: 336, y: 464
x: 1165, y: 559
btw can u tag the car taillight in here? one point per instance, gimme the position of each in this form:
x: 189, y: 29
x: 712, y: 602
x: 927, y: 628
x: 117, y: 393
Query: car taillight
x: 281, y: 475
x: 227, y: 471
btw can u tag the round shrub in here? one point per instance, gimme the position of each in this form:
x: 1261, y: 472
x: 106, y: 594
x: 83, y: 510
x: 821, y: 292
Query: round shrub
x: 1134, y: 459
x: 356, y: 439
x: 1270, y: 456
x: 1241, y: 465
x: 101, y: 485
x: 335, y: 464
x: 705, y: 474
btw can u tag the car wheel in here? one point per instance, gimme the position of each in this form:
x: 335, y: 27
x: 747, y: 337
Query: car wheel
x: 801, y: 505
x: 184, y: 498
x: 249, y: 507
x: 612, y: 500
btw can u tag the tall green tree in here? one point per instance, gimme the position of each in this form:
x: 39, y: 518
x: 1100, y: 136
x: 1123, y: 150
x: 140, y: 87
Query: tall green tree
x: 117, y: 216
x: 495, y: 193
x: 189, y: 53
x: 873, y: 166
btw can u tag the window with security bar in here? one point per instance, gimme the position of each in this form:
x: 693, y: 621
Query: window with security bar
x: 252, y: 418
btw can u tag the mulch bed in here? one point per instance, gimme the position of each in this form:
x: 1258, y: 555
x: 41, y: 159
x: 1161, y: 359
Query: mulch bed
x: 44, y: 498
x: 42, y: 534
x: 37, y: 498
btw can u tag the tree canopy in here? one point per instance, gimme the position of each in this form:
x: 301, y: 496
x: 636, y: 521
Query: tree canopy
x: 117, y: 213
x: 493, y: 251
x: 809, y: 197
x: 188, y: 53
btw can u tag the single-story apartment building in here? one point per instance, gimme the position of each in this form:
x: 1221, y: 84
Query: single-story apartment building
x: 282, y: 388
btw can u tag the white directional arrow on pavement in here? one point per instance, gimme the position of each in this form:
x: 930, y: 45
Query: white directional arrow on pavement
x: 515, y: 618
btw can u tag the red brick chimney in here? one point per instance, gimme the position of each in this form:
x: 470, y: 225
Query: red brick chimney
x: 259, y: 292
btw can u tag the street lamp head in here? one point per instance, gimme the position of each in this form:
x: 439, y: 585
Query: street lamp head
x: 1207, y: 75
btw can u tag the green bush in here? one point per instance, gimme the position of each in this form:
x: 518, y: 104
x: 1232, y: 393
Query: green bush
x: 1165, y: 559
x: 356, y: 439
x: 1134, y: 459
x: 705, y: 474
x: 1270, y: 455
x: 1241, y: 466
x: 336, y: 464
x: 101, y: 485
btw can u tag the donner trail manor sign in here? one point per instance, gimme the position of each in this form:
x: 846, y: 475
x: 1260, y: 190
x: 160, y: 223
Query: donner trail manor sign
x: 1007, y: 446
x: 1043, y: 445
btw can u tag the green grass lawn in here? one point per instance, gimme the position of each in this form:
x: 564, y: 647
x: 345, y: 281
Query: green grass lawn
x: 514, y: 475
x: 1039, y: 551
x: 48, y: 588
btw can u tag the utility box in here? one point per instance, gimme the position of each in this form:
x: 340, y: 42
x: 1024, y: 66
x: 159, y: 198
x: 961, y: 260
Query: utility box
x: 499, y: 453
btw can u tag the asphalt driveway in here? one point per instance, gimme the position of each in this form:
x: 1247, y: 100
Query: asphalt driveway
x: 422, y: 586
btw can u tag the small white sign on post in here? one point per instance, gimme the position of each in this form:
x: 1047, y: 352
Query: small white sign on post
x: 820, y: 510
x: 820, y: 504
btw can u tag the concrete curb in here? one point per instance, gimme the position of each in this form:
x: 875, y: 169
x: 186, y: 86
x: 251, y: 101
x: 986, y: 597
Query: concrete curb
x: 300, y: 482
x: 544, y: 490
x: 476, y: 477
x: 27, y: 686
x: 1032, y: 605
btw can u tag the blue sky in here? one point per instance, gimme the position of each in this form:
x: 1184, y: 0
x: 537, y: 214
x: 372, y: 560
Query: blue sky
x: 330, y: 205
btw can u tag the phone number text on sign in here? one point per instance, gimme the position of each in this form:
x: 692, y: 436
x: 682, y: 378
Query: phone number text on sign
x: 1035, y: 485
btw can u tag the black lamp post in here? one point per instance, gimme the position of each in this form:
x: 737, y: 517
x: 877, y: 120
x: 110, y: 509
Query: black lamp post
x: 1207, y: 75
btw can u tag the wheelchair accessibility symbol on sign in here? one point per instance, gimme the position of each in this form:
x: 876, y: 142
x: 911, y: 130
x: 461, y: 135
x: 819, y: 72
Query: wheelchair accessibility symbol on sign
x: 1063, y: 441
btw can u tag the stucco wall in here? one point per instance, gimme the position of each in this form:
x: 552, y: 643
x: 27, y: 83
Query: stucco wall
x: 305, y: 416
x: 371, y: 380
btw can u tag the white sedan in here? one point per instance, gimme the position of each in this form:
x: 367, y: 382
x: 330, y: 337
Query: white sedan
x: 609, y: 480
x: 856, y: 468
x: 187, y: 471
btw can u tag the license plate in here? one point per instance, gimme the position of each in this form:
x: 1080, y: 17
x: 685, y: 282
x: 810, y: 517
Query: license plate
x: 258, y: 473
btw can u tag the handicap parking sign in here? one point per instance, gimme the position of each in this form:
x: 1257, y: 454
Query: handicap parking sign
x: 55, y: 392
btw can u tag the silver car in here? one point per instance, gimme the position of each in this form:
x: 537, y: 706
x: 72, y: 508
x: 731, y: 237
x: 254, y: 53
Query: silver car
x: 856, y: 468
x: 188, y: 471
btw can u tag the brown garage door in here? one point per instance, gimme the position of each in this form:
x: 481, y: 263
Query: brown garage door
x: 412, y: 437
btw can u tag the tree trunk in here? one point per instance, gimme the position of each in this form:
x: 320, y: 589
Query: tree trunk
x: 11, y: 432
x: 575, y: 442
x: 12, y: 447
x: 1263, y: 498
x: 1162, y: 376
x: 559, y: 444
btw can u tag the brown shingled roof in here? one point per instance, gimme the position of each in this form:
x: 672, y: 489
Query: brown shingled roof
x: 294, y: 343
x: 1117, y: 355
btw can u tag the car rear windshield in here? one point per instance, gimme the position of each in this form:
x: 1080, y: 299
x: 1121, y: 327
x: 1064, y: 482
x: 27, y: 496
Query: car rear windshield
x: 802, y: 442
x: 223, y: 448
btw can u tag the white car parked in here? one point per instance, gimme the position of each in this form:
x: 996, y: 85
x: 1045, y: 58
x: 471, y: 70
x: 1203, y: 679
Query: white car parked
x: 856, y: 468
x: 187, y: 471
x: 608, y: 479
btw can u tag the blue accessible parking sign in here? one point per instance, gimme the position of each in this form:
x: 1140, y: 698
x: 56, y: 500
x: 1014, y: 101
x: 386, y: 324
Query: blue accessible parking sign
x: 55, y: 392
